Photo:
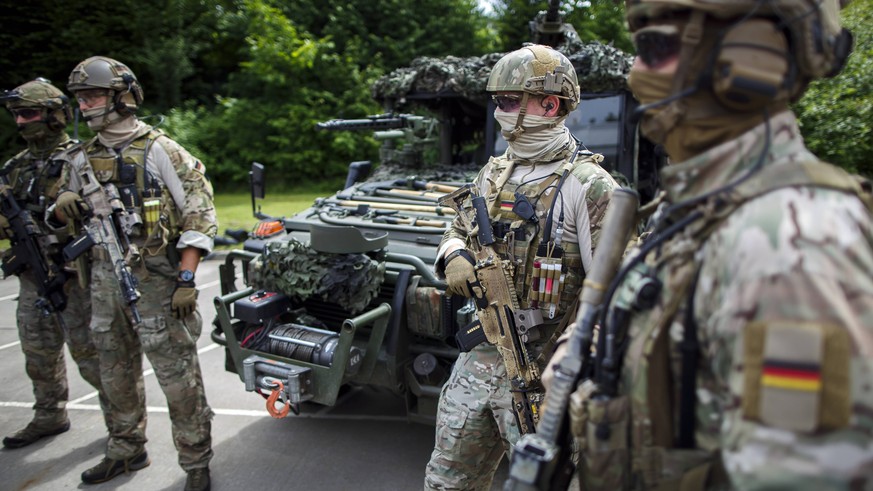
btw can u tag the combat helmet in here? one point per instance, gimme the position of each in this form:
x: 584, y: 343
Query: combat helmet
x: 41, y: 94
x: 101, y: 72
x: 817, y: 45
x: 536, y: 70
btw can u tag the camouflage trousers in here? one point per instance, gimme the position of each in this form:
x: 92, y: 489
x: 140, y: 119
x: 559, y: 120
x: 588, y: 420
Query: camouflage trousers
x: 475, y: 424
x: 42, y: 341
x: 170, y: 345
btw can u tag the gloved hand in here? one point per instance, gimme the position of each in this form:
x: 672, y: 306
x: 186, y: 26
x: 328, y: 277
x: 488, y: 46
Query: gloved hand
x: 5, y: 228
x: 184, y: 299
x: 459, y: 271
x: 71, y: 205
x: 559, y: 354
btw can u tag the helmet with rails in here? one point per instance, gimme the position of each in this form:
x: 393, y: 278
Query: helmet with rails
x: 536, y: 70
x: 41, y: 94
x: 817, y: 44
x: 100, y: 72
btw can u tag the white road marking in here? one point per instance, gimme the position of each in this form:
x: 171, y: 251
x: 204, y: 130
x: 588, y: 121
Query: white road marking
x: 199, y: 287
x: 232, y: 412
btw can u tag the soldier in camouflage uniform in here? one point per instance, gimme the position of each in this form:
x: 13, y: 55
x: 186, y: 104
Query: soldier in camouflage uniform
x: 547, y: 190
x: 41, y: 112
x: 165, y: 186
x: 750, y: 367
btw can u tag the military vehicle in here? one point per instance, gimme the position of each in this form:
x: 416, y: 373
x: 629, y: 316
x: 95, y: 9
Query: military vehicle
x: 343, y: 293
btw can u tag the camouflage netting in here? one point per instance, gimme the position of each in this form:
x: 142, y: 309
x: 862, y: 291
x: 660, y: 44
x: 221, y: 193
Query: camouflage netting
x: 351, y: 281
x: 600, y: 68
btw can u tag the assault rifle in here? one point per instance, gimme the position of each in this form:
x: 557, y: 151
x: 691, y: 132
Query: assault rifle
x: 502, y: 319
x: 28, y: 244
x: 539, y: 462
x: 108, y: 224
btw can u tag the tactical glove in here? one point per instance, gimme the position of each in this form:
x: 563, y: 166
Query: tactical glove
x: 71, y: 205
x: 184, y: 299
x: 5, y: 228
x: 460, y: 272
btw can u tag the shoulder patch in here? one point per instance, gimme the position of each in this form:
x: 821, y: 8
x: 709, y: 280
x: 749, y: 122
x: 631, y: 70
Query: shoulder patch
x: 796, y: 375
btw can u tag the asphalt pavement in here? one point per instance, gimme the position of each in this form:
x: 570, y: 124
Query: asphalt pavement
x: 363, y: 443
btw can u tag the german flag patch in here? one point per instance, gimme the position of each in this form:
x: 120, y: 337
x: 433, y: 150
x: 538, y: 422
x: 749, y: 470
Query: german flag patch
x: 791, y: 376
x: 796, y: 375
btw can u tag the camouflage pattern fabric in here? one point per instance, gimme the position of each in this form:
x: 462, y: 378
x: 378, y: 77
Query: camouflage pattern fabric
x: 42, y: 341
x: 351, y: 281
x: 198, y: 210
x: 475, y: 423
x: 42, y: 338
x: 784, y: 309
x: 170, y: 345
x: 599, y: 67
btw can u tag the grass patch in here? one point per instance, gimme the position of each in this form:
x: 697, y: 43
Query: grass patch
x: 235, y: 209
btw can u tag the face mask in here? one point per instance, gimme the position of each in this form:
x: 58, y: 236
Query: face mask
x: 539, y: 145
x: 35, y: 131
x: 97, y: 119
x: 648, y: 88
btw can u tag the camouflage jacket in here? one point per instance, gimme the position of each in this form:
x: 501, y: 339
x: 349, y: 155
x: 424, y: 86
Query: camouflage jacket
x: 180, y: 175
x: 783, y: 305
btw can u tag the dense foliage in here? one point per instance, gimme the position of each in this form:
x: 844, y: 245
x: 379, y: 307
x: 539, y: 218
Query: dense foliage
x: 836, y: 114
x: 246, y: 80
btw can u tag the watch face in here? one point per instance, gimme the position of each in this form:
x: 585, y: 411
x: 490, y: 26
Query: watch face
x: 186, y: 275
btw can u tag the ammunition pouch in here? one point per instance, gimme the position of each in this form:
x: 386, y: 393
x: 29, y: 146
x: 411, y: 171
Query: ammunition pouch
x: 600, y: 427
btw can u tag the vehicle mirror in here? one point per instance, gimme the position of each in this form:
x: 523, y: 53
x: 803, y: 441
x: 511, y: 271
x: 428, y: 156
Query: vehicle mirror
x: 256, y: 175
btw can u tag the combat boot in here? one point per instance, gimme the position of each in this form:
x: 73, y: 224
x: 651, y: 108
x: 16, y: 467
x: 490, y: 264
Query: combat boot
x: 198, y: 480
x: 110, y: 468
x: 33, y: 432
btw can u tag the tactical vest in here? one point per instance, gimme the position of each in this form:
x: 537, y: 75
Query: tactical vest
x: 141, y: 193
x: 630, y: 441
x: 35, y: 181
x: 519, y: 240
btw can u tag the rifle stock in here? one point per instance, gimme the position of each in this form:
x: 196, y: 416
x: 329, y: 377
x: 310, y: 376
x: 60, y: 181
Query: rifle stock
x: 535, y: 460
x: 497, y: 307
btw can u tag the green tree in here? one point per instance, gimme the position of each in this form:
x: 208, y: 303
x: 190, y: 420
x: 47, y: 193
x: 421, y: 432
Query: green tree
x: 288, y: 81
x: 390, y: 33
x: 836, y: 114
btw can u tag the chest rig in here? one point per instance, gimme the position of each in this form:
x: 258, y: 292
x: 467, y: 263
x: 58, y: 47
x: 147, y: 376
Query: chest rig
x: 546, y: 272
x: 143, y: 196
x: 35, y: 181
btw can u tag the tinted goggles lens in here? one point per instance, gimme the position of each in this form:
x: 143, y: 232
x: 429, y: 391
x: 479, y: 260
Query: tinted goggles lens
x: 89, y: 97
x: 658, y: 44
x: 507, y: 103
x: 26, y: 112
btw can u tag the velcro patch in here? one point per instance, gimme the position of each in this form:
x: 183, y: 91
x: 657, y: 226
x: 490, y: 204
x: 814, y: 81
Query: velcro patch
x: 796, y: 375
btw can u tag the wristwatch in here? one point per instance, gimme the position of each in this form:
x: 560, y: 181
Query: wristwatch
x: 186, y: 275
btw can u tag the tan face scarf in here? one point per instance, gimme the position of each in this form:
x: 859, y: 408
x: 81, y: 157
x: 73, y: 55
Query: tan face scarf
x: 540, y: 145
